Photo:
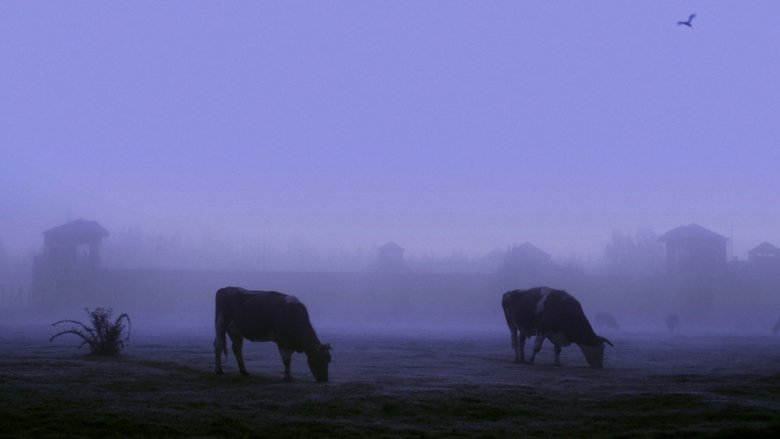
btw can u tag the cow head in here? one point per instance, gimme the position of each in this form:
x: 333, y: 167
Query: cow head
x: 318, y: 362
x: 594, y: 353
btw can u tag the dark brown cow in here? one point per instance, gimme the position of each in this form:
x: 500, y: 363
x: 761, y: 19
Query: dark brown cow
x: 267, y: 316
x: 551, y: 314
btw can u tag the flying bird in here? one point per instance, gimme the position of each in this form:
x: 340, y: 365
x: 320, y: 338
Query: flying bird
x: 688, y: 22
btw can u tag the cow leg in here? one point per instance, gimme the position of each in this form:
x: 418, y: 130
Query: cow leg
x: 520, y: 348
x: 537, y: 347
x: 219, y: 348
x: 238, y: 344
x: 517, y: 346
x: 286, y: 360
x: 557, y: 355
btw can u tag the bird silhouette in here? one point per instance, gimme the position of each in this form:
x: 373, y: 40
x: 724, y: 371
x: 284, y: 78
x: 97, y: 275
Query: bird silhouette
x: 688, y: 22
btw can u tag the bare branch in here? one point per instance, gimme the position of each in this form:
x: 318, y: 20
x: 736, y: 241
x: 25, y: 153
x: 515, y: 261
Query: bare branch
x: 71, y: 331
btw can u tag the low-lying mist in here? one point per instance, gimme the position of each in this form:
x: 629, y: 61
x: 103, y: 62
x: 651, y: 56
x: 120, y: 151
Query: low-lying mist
x: 404, y: 301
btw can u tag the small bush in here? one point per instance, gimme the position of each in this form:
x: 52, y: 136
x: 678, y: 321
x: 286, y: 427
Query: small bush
x: 104, y: 337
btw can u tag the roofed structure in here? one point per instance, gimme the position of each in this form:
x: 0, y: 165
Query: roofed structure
x: 390, y: 257
x: 764, y: 252
x: 71, y: 256
x: 694, y: 249
x: 79, y: 231
x: 75, y: 244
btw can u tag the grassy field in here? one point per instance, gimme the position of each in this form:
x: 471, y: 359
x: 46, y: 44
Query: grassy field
x: 431, y: 384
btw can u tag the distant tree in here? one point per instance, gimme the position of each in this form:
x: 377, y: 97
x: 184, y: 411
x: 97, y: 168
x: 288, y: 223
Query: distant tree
x: 618, y: 252
x: 640, y: 253
x: 526, y: 259
x: 572, y: 265
x: 493, y: 260
x: 649, y: 255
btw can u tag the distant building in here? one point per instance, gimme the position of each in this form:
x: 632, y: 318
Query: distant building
x: 390, y: 257
x: 526, y: 258
x: 693, y: 249
x: 764, y: 262
x: 71, y: 256
x: 764, y: 252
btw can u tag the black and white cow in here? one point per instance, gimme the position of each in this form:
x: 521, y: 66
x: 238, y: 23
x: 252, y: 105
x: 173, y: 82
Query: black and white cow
x: 552, y: 314
x: 267, y: 316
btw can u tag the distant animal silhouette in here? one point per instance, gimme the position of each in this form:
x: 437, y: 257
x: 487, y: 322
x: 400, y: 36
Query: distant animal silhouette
x: 687, y: 22
x: 606, y: 321
x: 776, y: 328
x: 551, y: 314
x: 672, y: 322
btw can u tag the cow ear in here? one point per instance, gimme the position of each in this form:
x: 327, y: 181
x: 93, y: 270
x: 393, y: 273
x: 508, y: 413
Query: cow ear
x: 326, y: 347
x: 607, y: 341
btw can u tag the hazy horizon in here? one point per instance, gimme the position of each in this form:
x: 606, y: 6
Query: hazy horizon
x: 447, y: 127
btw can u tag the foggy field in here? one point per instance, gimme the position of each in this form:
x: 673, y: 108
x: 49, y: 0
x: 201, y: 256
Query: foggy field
x: 429, y: 383
x: 397, y: 167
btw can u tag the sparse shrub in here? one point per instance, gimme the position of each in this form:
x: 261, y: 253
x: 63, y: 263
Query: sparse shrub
x: 105, y: 336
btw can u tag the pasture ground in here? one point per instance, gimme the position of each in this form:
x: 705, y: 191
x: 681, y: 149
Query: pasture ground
x: 431, y: 383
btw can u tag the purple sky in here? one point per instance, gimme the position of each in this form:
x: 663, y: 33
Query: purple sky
x: 442, y: 125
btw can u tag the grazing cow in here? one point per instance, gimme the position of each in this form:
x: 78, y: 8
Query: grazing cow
x: 606, y: 321
x: 267, y: 316
x: 776, y: 328
x: 551, y: 314
x: 672, y: 322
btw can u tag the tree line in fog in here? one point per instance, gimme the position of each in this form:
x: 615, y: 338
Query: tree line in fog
x: 637, y: 253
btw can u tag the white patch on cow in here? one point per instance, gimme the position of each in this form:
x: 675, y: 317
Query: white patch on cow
x: 292, y: 299
x: 540, y: 304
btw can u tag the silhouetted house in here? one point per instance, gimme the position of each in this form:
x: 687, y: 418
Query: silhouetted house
x: 526, y: 258
x: 764, y: 253
x: 764, y: 261
x: 71, y: 256
x: 390, y: 257
x: 693, y: 249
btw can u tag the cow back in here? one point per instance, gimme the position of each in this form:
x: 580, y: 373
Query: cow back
x: 267, y: 316
x: 547, y: 310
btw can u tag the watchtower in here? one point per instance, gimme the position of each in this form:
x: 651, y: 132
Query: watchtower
x: 70, y: 257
